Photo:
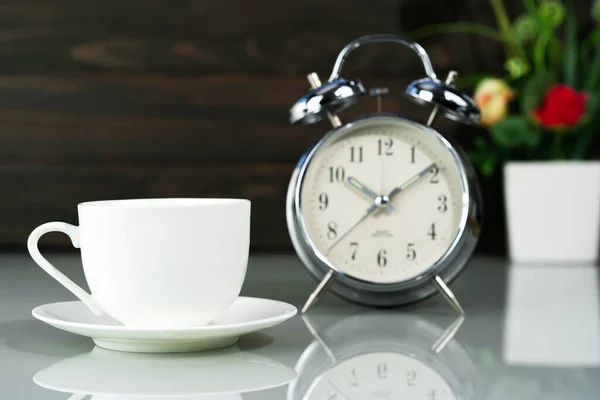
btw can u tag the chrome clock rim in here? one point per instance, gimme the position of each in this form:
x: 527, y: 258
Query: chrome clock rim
x: 448, y: 267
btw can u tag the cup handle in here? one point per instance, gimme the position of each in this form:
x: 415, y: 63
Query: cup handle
x: 73, y: 233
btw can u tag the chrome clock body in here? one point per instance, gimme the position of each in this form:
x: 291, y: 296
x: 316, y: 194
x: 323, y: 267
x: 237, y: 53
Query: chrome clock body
x: 365, y: 291
x: 399, y: 212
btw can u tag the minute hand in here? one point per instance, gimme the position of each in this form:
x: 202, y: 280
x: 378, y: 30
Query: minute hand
x: 411, y: 181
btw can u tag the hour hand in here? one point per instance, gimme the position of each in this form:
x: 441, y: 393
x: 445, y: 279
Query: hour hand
x: 377, y: 199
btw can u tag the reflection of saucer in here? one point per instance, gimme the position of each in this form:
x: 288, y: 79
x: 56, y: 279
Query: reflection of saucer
x: 104, y: 373
x: 246, y: 315
x: 384, y: 356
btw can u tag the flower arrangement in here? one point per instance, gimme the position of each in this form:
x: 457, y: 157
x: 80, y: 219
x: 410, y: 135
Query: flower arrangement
x: 546, y: 106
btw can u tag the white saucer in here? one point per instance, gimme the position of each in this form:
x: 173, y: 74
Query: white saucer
x: 246, y: 315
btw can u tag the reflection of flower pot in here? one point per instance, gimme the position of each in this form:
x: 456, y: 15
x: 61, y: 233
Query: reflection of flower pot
x: 552, y: 210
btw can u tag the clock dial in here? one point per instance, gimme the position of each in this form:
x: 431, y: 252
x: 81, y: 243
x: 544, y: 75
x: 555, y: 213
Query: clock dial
x: 381, y: 376
x: 401, y: 237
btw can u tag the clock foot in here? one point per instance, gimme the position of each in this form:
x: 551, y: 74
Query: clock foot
x: 314, y: 296
x: 445, y: 291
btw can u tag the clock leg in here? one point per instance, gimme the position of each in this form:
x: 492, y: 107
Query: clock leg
x: 315, y: 82
x: 451, y: 76
x: 327, y: 280
x: 445, y: 291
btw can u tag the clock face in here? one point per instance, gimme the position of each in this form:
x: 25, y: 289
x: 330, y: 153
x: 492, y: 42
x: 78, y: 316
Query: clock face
x: 384, y: 201
x: 381, y: 376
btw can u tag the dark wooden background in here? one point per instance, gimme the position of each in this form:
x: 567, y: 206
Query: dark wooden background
x: 157, y: 98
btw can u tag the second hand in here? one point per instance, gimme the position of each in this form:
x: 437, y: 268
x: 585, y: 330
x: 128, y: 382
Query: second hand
x: 370, y: 211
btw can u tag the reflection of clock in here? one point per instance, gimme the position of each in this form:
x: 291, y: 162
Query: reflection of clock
x: 378, y: 356
x: 382, y: 375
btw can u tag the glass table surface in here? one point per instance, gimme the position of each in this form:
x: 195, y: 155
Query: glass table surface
x: 530, y: 332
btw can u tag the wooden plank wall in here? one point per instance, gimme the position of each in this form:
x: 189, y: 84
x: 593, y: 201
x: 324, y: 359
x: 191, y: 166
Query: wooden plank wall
x: 124, y: 99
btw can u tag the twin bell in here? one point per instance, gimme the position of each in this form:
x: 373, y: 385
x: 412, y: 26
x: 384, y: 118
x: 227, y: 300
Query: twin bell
x: 337, y: 94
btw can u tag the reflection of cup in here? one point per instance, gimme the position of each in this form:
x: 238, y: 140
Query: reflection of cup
x: 220, y: 374
x: 384, y: 356
x: 157, y: 263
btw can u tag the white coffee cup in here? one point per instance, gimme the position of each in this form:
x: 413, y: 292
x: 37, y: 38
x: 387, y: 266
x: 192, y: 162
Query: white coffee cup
x: 157, y: 263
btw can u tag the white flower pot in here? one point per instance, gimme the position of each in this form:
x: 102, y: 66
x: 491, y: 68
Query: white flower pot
x: 552, y: 211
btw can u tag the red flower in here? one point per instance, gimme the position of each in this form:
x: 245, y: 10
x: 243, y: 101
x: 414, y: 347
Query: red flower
x: 563, y: 108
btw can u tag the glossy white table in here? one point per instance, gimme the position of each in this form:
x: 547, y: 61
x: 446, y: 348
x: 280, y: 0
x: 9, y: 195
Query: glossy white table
x: 531, y: 332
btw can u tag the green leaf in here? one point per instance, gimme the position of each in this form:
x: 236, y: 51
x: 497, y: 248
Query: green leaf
x: 534, y: 90
x: 480, y: 142
x: 513, y: 46
x: 590, y: 41
x: 592, y: 113
x: 516, y: 131
x: 587, y: 53
x: 539, y: 52
x: 549, y: 15
x: 581, y: 145
x: 587, y: 129
x: 594, y: 76
x: 552, y: 13
x: 485, y: 156
x: 526, y: 28
x: 571, y: 46
x: 516, y: 67
x: 555, y: 48
x: 593, y: 107
x: 596, y: 10
x: 488, y: 166
x: 480, y: 153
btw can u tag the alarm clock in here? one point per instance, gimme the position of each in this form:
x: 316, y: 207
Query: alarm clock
x: 383, y: 210
x: 381, y: 356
